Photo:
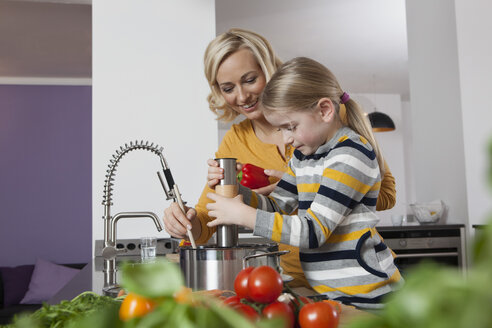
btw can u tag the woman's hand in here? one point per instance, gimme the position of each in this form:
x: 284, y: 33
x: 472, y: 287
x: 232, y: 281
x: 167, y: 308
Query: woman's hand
x: 215, y: 173
x: 177, y: 224
x: 230, y: 211
x: 268, y: 189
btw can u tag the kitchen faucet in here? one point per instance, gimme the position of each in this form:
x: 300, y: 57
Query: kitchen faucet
x: 110, y: 250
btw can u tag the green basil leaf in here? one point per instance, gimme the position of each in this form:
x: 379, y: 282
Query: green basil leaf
x: 229, y: 317
x: 158, y: 279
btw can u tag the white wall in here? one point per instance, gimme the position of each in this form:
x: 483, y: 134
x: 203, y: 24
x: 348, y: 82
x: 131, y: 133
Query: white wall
x: 475, y: 53
x: 450, y: 69
x: 438, y: 156
x: 392, y: 144
x: 406, y: 117
x: 148, y: 84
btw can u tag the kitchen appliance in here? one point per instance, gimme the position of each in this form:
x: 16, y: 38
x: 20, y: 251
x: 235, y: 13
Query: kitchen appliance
x: 442, y: 244
x: 216, y: 266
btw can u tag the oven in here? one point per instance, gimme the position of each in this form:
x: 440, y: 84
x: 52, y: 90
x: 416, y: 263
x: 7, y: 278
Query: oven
x: 442, y: 244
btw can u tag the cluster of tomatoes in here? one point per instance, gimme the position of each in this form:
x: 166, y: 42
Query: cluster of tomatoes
x: 259, y: 293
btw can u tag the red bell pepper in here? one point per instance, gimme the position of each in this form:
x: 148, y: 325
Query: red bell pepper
x: 253, y: 176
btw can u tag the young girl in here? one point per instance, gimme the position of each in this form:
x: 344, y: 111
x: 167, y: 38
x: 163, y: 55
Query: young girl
x: 333, y: 181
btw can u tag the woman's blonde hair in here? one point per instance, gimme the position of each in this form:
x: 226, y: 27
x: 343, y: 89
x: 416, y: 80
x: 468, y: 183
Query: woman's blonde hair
x: 301, y: 82
x: 222, y: 47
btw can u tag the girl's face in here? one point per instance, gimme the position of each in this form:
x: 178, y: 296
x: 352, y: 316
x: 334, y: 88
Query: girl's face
x: 241, y: 82
x: 304, y: 130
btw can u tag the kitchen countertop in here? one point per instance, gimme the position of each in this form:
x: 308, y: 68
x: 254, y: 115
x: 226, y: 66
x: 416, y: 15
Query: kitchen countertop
x: 92, y: 279
x: 420, y: 227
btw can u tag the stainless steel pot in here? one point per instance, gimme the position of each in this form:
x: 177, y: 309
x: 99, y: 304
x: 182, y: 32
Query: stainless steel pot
x: 208, y: 267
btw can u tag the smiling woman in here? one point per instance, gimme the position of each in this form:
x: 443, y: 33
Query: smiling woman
x: 237, y: 66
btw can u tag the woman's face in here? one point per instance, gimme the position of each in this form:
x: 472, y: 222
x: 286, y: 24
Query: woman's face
x: 241, y: 81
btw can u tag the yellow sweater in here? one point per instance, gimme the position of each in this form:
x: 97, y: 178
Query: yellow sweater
x: 241, y: 142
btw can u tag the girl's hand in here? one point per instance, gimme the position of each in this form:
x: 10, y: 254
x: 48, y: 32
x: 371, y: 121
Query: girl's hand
x: 230, y: 211
x: 268, y: 189
x: 176, y: 223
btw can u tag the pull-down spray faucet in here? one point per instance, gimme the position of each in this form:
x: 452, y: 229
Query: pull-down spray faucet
x: 110, y: 251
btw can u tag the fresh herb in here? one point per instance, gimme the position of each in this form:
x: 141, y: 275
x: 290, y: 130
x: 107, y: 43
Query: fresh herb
x: 435, y: 297
x: 60, y: 315
x: 158, y: 279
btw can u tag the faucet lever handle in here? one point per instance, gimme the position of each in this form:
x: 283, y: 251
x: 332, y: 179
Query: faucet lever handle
x: 110, y: 252
x: 167, y: 190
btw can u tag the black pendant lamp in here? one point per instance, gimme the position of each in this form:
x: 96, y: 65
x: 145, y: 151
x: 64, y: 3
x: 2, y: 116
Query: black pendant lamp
x: 381, y: 122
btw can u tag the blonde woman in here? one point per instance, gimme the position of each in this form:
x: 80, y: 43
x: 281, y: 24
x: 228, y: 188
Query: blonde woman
x: 238, y: 64
x: 325, y: 204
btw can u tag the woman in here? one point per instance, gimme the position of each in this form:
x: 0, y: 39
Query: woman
x: 238, y: 64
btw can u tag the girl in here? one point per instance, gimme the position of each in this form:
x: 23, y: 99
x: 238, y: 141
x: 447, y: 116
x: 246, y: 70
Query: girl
x: 333, y: 181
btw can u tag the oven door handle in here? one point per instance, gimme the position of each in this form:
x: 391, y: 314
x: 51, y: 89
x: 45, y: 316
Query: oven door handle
x: 427, y: 255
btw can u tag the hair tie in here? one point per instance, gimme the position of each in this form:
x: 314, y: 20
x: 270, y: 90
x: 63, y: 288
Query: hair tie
x: 344, y: 98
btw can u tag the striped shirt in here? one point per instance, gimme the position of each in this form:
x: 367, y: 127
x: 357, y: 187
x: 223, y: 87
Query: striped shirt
x: 335, y: 192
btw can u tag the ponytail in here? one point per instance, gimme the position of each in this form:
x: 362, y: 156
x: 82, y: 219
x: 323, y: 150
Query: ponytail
x: 352, y: 115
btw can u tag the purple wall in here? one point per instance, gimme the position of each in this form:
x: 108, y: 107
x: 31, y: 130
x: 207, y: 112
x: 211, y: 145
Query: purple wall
x: 45, y: 174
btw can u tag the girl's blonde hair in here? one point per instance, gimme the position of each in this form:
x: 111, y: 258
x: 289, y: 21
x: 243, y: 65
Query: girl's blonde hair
x: 301, y: 82
x: 222, y: 47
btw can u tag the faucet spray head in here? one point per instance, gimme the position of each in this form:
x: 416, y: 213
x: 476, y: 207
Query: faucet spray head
x: 109, y: 181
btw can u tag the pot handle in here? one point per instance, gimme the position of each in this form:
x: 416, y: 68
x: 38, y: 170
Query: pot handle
x: 247, y: 257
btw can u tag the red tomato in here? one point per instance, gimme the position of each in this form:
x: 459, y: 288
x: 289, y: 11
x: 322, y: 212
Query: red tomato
x: 135, y: 306
x: 247, y: 311
x: 264, y: 284
x: 280, y: 310
x: 336, y: 305
x: 241, y: 282
x: 317, y: 315
x: 232, y: 300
